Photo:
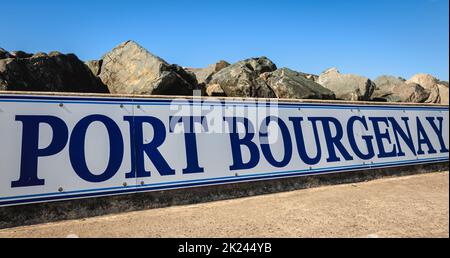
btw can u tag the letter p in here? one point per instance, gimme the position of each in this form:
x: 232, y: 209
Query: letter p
x: 30, y: 146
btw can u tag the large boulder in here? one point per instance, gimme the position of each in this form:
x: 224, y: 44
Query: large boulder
x: 347, y: 86
x: 290, y: 84
x: 55, y: 72
x: 242, y: 79
x: 438, y: 89
x: 395, y: 89
x: 214, y: 90
x: 425, y: 80
x: 443, y: 92
x: 311, y: 77
x: 204, y: 74
x: 131, y: 69
x: 94, y: 66
x: 21, y: 54
x: 5, y: 54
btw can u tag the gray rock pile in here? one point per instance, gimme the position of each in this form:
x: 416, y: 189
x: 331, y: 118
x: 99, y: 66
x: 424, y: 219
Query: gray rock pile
x: 347, y: 86
x: 242, y: 79
x: 290, y: 84
x: 204, y: 74
x: 56, y: 72
x: 438, y: 89
x: 131, y: 69
x: 394, y: 89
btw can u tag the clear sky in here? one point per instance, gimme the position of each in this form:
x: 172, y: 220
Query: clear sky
x: 367, y: 37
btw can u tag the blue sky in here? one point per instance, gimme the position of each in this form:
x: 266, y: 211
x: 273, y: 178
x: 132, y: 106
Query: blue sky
x: 367, y: 37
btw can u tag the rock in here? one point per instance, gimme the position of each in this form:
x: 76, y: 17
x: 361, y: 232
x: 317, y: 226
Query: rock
x: 130, y: 69
x: 94, y: 66
x: 294, y: 85
x: 434, y: 97
x: 395, y: 89
x: 40, y: 54
x: 311, y: 77
x: 388, y: 80
x: 425, y: 80
x: 56, y: 73
x: 214, y: 90
x: 4, y: 54
x: 220, y: 65
x: 347, y: 86
x: 443, y: 93
x: 438, y: 89
x: 445, y: 83
x: 242, y: 79
x: 21, y: 54
x: 188, y: 76
x: 204, y: 74
x: 54, y: 53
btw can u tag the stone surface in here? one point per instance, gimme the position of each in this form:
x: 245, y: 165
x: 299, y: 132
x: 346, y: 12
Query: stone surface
x: 214, y: 90
x: 438, y: 89
x: 94, y: 66
x: 395, y: 89
x: 242, y: 79
x: 204, y: 74
x: 443, y: 93
x: 311, y: 77
x: 425, y: 80
x: 4, y: 54
x: 21, y: 54
x: 347, y: 86
x: 290, y: 84
x: 54, y: 73
x: 40, y: 54
x: 130, y: 69
x: 388, y: 80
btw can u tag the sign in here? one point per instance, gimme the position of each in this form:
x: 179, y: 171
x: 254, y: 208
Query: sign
x: 67, y: 147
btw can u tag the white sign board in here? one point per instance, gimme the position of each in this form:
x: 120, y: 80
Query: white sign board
x: 67, y: 147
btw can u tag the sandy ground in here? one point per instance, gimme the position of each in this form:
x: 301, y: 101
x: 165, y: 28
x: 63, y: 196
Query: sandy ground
x: 412, y: 206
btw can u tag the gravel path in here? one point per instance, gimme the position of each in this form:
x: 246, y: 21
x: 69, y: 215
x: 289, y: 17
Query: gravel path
x: 412, y: 206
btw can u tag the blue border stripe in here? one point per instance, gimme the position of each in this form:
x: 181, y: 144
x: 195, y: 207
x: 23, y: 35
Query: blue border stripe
x: 281, y: 106
x: 221, y: 102
x: 202, y: 104
x: 206, y: 182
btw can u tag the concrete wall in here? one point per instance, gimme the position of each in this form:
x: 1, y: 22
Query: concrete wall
x: 76, y: 209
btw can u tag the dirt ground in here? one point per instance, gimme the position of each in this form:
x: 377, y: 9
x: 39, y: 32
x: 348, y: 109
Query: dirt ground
x: 412, y: 206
